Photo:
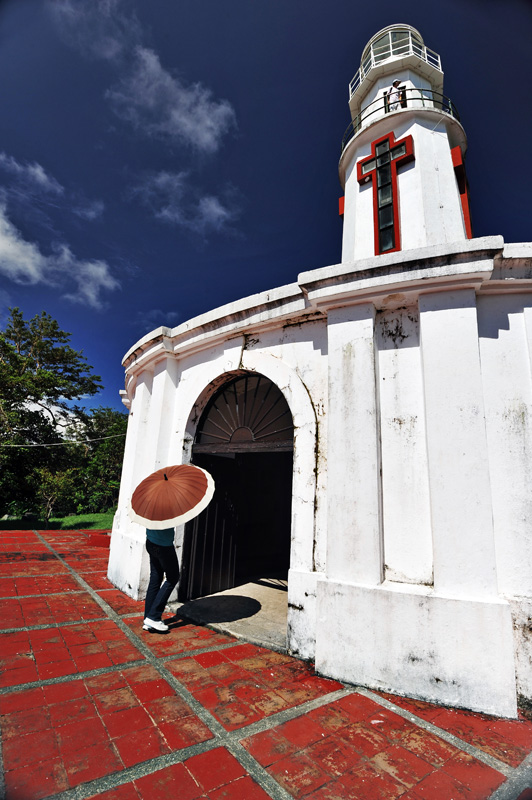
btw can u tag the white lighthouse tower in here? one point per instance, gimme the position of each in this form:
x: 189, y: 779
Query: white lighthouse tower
x: 402, y: 155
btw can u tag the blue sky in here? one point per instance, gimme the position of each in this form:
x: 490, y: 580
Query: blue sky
x: 159, y: 158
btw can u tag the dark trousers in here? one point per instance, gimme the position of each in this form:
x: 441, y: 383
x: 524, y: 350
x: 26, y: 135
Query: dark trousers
x: 163, y: 561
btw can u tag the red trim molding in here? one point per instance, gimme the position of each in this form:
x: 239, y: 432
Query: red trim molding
x: 463, y: 188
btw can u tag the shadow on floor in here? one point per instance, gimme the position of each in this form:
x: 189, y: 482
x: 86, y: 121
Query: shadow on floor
x: 220, y: 608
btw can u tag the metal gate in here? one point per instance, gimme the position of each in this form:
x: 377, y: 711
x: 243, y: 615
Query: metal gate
x: 209, y: 557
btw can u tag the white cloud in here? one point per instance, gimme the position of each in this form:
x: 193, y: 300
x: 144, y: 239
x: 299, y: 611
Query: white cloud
x: 20, y: 261
x: 172, y: 200
x: 89, y: 209
x: 99, y: 29
x: 91, y: 279
x: 213, y: 214
x: 30, y: 188
x: 164, y: 193
x: 155, y: 318
x: 23, y: 262
x: 154, y: 102
x: 33, y: 175
x: 160, y: 105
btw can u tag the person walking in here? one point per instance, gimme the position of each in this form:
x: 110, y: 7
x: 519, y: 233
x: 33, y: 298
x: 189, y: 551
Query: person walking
x: 163, y: 562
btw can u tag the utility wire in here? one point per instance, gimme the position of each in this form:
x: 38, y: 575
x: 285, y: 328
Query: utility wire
x: 63, y: 444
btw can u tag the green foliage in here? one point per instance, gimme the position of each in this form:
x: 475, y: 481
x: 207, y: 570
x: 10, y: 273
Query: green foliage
x: 55, y: 489
x: 100, y: 478
x: 41, y: 379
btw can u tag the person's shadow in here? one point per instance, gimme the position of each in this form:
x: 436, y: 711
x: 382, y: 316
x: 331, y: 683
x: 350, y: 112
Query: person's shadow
x: 227, y: 608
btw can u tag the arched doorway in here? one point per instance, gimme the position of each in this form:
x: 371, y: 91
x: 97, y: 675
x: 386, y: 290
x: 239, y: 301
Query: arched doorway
x: 244, y: 438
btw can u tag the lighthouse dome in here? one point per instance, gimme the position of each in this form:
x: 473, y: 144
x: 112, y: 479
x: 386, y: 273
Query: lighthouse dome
x: 395, y: 48
x: 392, y: 41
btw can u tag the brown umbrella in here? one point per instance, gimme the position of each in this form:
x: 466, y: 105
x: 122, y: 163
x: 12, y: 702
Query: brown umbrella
x: 171, y: 496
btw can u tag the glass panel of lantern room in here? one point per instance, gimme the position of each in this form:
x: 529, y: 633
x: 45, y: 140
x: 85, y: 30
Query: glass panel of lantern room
x: 417, y: 45
x: 381, y: 48
x: 400, y: 42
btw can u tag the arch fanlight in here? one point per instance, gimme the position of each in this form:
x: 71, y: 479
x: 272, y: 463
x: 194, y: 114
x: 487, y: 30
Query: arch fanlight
x: 247, y: 414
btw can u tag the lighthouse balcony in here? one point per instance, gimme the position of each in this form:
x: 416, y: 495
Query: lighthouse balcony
x: 400, y: 44
x: 410, y: 99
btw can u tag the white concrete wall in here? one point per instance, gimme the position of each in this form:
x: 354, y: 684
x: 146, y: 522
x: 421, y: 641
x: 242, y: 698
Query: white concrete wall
x: 354, y: 539
x: 507, y: 387
x: 460, y: 488
x: 410, y: 387
x: 128, y: 563
x: 394, y: 638
x: 405, y: 486
x: 505, y: 339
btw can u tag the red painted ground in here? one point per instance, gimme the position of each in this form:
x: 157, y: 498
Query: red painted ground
x: 58, y: 736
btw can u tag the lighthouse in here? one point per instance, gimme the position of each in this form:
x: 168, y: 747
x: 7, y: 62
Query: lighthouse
x: 369, y: 425
x: 402, y: 160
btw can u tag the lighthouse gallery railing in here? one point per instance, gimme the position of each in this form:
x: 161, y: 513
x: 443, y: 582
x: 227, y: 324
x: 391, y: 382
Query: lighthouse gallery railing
x: 387, y: 49
x: 410, y: 98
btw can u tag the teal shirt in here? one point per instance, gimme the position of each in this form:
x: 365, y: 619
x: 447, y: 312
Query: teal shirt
x: 164, y: 537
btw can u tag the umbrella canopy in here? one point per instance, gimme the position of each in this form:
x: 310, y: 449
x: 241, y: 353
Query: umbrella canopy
x: 171, y: 496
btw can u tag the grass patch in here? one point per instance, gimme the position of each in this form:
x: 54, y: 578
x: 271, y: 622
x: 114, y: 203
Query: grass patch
x: 81, y: 521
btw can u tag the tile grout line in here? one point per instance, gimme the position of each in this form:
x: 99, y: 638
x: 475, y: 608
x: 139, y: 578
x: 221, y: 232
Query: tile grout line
x: 45, y: 625
x: 74, y: 676
x: 460, y: 744
x: 520, y: 779
x: 48, y: 594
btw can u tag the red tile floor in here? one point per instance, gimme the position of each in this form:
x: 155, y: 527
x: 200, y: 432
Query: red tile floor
x: 92, y: 706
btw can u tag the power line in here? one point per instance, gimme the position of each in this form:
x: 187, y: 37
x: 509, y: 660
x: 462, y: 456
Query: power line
x: 63, y: 444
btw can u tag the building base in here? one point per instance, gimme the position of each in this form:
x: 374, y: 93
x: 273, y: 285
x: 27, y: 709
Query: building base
x: 410, y: 641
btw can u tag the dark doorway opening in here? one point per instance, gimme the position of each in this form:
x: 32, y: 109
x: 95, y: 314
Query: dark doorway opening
x: 244, y: 533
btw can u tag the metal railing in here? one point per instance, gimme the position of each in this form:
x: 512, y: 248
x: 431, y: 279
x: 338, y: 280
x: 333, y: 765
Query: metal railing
x: 410, y: 98
x: 380, y: 53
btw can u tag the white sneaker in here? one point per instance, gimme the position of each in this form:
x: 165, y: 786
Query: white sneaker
x: 155, y: 625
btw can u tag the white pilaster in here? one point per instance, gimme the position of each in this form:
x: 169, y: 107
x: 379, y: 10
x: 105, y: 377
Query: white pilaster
x: 160, y: 438
x: 460, y: 494
x: 135, y: 453
x: 128, y: 567
x: 353, y: 524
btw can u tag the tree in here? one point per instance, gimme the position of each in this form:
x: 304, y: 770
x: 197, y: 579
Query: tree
x: 40, y: 374
x: 54, y: 489
x: 106, y: 431
x: 41, y: 378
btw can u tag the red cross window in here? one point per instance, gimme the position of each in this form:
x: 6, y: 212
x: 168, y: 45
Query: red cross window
x: 381, y: 169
